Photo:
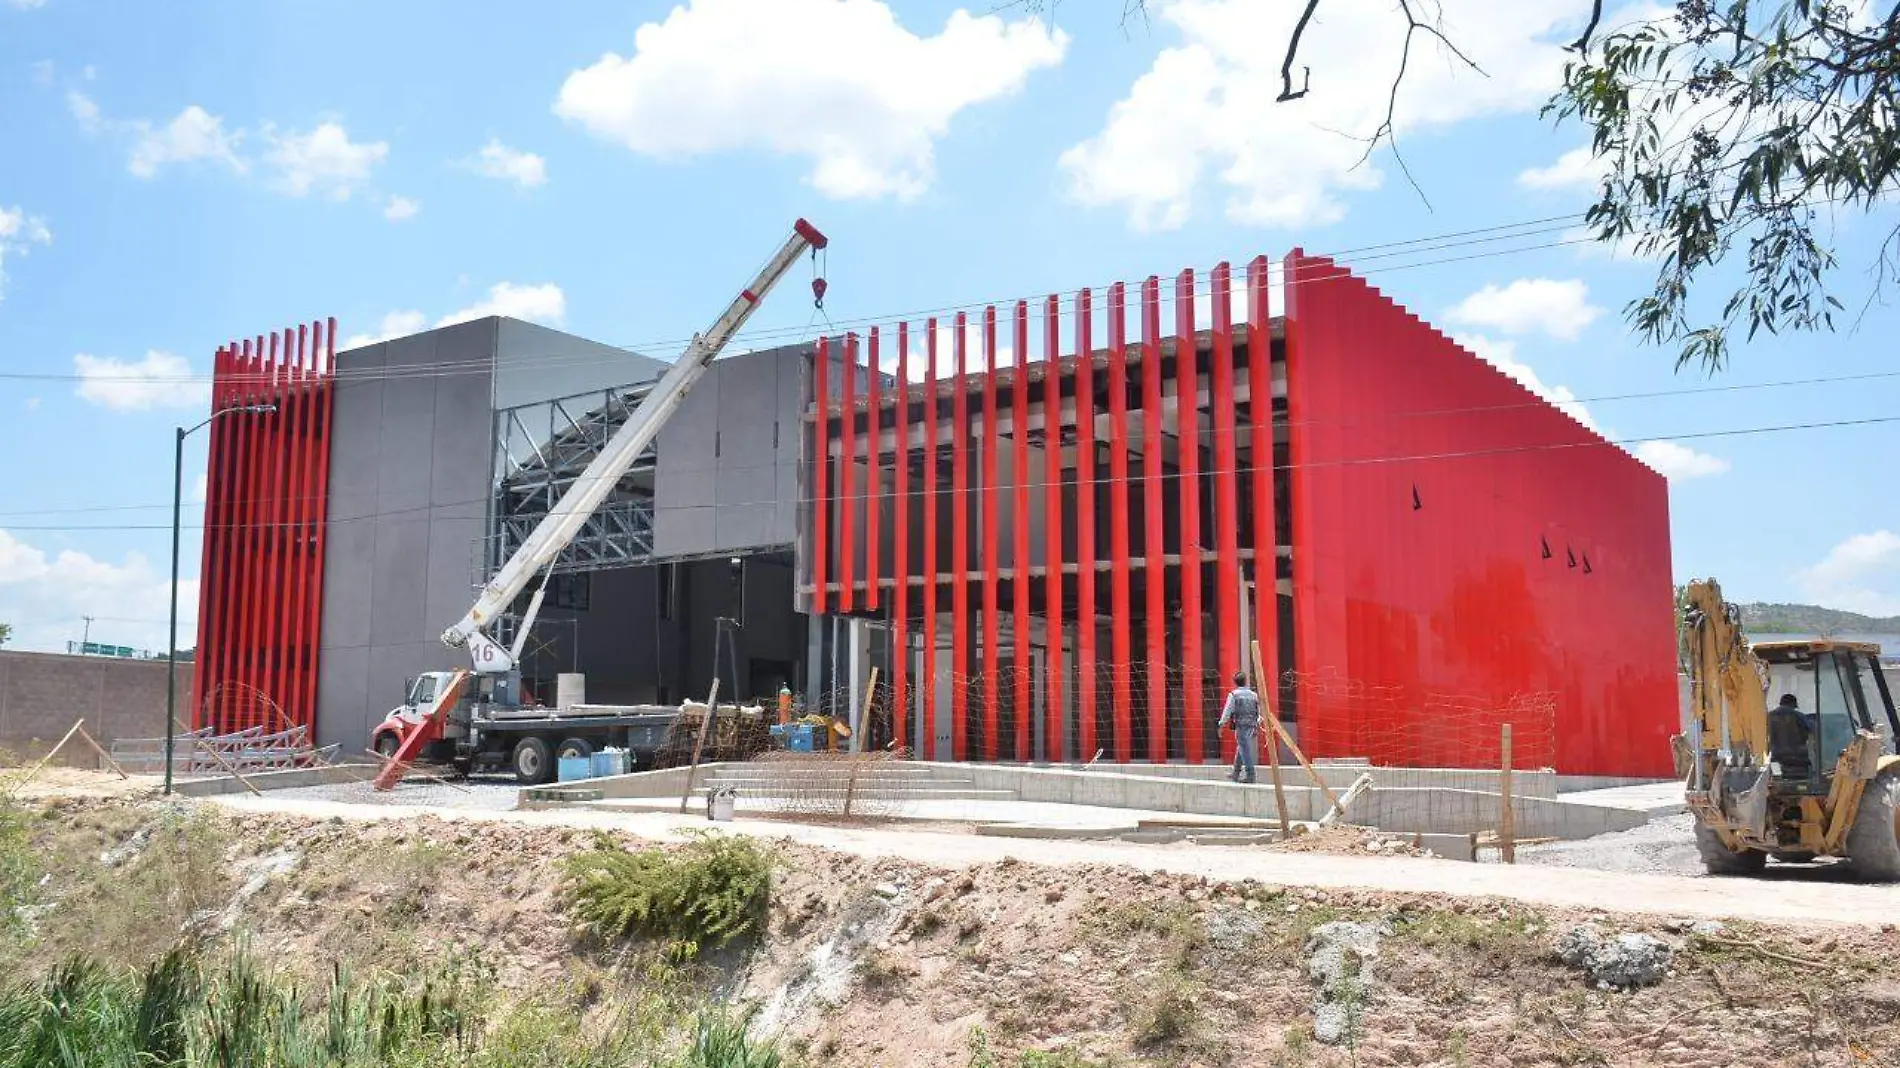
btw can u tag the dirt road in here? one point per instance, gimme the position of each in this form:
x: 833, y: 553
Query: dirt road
x: 1792, y: 898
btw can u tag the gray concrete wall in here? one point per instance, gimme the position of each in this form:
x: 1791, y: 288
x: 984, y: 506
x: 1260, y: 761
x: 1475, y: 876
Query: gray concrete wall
x: 727, y: 477
x: 534, y: 363
x: 41, y: 694
x: 409, y: 484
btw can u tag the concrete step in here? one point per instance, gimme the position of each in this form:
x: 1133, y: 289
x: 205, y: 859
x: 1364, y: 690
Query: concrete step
x: 912, y: 793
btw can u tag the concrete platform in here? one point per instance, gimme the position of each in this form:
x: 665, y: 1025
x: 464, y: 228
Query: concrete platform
x: 1652, y: 799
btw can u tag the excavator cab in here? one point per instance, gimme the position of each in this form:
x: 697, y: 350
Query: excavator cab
x: 1840, y: 691
x: 1817, y: 777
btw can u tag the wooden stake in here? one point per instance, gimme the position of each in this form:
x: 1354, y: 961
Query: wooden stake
x: 103, y: 755
x: 699, y: 743
x: 50, y: 753
x: 228, y: 766
x: 1507, y: 815
x: 1273, y: 763
x: 864, y: 719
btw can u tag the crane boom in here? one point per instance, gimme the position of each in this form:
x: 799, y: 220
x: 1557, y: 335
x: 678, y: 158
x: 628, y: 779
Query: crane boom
x: 545, y: 543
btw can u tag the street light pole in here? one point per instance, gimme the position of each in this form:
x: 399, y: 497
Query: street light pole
x: 178, y: 500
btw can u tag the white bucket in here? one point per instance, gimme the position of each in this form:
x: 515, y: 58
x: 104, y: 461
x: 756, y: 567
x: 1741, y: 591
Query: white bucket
x: 719, y: 803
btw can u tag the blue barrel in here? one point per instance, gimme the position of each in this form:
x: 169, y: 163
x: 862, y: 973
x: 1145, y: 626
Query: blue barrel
x: 575, y: 767
x: 610, y: 762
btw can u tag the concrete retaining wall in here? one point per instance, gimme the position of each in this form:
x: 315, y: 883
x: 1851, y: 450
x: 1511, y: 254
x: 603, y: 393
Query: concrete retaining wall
x: 275, y: 780
x: 1336, y: 774
x: 41, y: 694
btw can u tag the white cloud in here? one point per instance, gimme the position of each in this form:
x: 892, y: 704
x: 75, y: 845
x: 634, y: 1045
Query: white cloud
x: 1676, y: 461
x: 498, y: 161
x: 1503, y: 356
x: 544, y: 303
x: 19, y: 232
x: 160, y: 380
x: 45, y: 594
x: 839, y: 82
x: 1576, y: 169
x: 395, y: 324
x: 538, y: 304
x: 1205, y: 113
x: 85, y: 110
x: 26, y: 5
x: 400, y: 208
x: 201, y: 489
x: 324, y: 160
x: 193, y: 135
x: 1528, y: 306
x: 1859, y: 575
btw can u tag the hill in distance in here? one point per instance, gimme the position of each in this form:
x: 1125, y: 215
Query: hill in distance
x: 1763, y: 618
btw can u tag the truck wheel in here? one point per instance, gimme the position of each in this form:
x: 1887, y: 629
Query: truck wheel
x: 1873, y: 842
x: 1719, y: 859
x: 573, y: 747
x: 386, y: 745
x: 533, y: 763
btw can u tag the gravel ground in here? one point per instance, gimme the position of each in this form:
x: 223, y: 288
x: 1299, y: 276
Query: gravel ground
x: 493, y: 795
x: 1663, y: 846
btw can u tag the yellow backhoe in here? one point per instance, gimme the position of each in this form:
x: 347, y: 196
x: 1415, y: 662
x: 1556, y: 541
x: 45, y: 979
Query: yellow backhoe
x: 1816, y: 776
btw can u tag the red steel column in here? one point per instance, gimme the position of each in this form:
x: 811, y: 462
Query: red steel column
x: 848, y: 479
x: 1084, y: 528
x: 207, y: 577
x: 873, y: 476
x: 1266, y: 542
x: 960, y: 546
x: 1153, y: 540
x: 821, y: 460
x: 1055, y: 738
x: 1226, y: 486
x: 900, y: 548
x: 1187, y: 420
x: 992, y: 626
x: 1019, y: 555
x: 230, y: 557
x: 296, y: 533
x: 325, y: 342
x: 1121, y: 653
x: 245, y: 667
x: 279, y: 425
x: 932, y: 559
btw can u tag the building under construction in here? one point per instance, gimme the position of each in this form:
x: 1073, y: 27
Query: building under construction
x: 1053, y: 530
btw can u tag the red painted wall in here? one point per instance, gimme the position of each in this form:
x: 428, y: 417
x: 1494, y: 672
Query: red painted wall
x: 260, y: 595
x: 1425, y: 486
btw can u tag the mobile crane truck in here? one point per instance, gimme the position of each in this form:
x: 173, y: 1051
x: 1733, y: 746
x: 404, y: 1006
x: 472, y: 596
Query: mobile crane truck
x: 476, y: 718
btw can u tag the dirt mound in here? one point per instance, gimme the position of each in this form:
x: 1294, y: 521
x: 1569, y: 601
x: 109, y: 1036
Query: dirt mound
x: 882, y: 962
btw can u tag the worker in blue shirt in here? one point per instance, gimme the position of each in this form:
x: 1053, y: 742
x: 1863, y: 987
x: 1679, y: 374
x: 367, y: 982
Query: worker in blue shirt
x: 1242, y: 713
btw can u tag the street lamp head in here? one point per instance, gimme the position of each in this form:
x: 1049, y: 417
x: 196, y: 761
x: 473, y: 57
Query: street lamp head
x: 259, y: 409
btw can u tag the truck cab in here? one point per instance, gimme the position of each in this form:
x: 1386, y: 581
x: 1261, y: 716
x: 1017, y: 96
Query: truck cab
x: 412, y: 715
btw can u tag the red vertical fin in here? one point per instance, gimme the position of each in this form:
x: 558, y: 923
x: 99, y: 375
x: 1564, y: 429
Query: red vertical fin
x: 992, y: 628
x: 324, y: 342
x: 820, y: 470
x: 1187, y: 422
x: 1266, y: 541
x: 848, y: 500
x: 1019, y: 547
x: 1153, y: 532
x: 1085, y: 699
x: 207, y: 580
x: 960, y: 546
x: 1222, y: 404
x: 1121, y: 608
x: 1055, y: 736
x: 873, y: 474
x: 900, y: 548
x: 932, y: 563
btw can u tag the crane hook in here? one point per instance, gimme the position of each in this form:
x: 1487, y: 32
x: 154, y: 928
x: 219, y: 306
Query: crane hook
x: 818, y: 293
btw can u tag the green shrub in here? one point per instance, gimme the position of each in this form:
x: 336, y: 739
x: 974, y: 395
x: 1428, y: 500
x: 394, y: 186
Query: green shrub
x: 712, y: 892
x: 720, y: 1041
x: 19, y: 871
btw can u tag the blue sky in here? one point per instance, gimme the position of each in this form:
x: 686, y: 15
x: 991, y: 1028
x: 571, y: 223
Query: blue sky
x: 173, y: 175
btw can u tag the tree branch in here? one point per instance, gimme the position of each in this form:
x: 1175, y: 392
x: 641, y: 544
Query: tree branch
x: 1292, y: 50
x: 1582, y: 44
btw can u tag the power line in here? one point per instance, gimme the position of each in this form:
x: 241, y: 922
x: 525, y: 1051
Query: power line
x: 1408, y: 248
x: 1595, y: 441
x: 1278, y: 422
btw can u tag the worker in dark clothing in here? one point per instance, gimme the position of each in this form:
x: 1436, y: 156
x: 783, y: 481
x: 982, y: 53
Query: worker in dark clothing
x: 1242, y: 713
x: 1790, y: 735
